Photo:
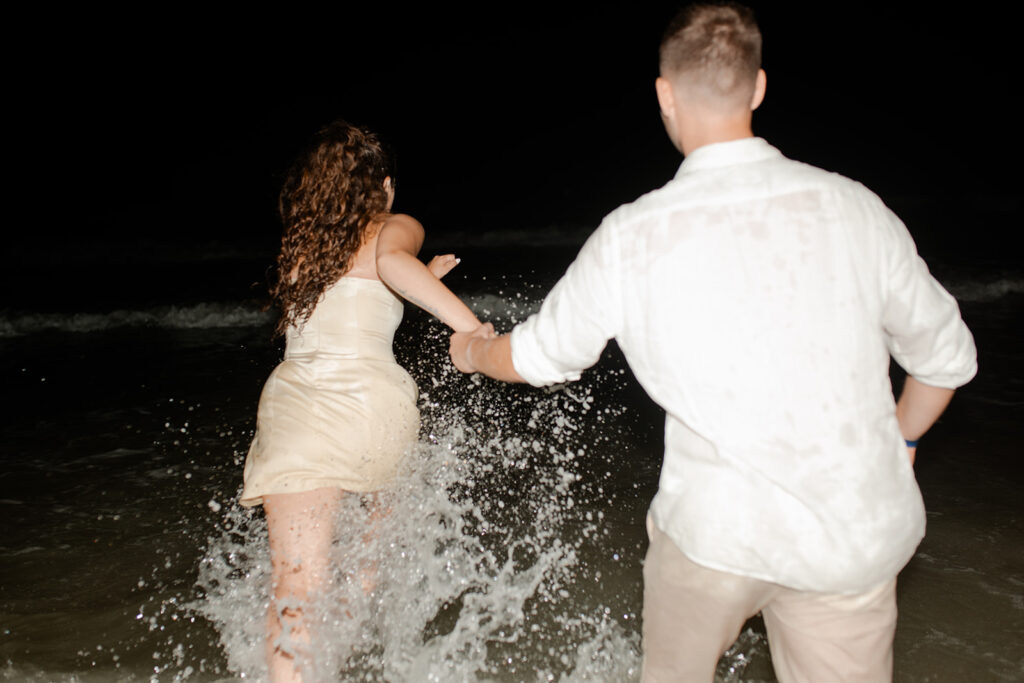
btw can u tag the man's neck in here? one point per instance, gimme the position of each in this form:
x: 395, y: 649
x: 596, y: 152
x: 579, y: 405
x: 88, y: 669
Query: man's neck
x: 708, y: 128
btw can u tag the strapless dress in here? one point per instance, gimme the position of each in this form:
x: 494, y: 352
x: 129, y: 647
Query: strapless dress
x: 338, y: 411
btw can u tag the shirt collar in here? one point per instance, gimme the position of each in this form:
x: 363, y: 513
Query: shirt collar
x: 719, y: 154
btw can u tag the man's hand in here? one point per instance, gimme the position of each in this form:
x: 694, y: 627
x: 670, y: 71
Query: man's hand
x: 442, y: 264
x: 460, y: 343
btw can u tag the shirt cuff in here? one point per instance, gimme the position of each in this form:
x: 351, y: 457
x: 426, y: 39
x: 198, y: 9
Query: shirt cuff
x: 530, y: 361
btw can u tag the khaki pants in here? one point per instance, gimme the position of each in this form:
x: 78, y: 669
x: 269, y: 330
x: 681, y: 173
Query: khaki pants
x: 692, y: 615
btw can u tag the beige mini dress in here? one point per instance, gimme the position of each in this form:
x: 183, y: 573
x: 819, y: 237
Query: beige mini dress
x: 338, y: 411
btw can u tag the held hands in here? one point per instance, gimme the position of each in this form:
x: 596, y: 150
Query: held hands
x: 442, y: 264
x: 461, y: 343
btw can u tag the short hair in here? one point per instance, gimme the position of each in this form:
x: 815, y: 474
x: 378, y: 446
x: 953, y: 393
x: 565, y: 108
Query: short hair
x: 716, y: 46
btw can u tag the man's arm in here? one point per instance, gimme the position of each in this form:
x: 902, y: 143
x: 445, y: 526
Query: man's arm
x: 477, y: 351
x: 920, y: 405
x: 926, y: 334
x: 578, y: 317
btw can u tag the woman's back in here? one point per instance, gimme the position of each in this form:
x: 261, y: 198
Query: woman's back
x: 355, y: 318
x: 338, y: 411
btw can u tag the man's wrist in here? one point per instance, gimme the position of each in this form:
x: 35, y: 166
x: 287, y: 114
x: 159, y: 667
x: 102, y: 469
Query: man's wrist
x: 469, y: 354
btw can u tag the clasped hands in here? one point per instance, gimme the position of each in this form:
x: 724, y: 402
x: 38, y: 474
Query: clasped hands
x: 462, y: 343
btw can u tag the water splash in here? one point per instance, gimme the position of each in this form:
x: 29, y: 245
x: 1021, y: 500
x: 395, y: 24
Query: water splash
x: 510, y: 550
x: 478, y: 571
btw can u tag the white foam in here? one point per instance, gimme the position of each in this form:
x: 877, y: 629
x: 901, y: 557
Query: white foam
x: 201, y: 315
x: 511, y: 309
x: 980, y: 292
x: 552, y: 236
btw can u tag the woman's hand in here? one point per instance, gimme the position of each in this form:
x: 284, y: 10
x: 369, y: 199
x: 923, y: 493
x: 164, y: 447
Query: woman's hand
x: 460, y: 342
x: 442, y: 264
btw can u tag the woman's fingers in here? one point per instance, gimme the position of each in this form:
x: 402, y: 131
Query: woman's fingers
x: 442, y: 264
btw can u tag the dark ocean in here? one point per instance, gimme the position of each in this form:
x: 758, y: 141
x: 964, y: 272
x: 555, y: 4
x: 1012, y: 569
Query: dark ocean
x: 514, y: 547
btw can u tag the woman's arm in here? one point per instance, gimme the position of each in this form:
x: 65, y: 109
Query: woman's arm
x: 398, y: 244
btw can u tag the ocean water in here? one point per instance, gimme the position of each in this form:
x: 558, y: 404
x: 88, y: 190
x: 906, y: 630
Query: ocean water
x: 512, y: 545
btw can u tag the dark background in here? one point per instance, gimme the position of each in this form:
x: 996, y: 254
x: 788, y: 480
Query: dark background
x: 141, y: 135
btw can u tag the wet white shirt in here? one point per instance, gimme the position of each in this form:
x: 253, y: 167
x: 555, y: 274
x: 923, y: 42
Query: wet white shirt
x: 758, y: 300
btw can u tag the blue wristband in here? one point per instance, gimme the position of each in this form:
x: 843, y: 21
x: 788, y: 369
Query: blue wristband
x: 910, y: 444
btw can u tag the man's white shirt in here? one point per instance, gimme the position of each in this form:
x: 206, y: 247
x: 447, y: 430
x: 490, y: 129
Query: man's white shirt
x: 757, y: 300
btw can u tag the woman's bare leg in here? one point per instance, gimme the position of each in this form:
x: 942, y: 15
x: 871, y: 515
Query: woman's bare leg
x: 301, y: 529
x: 377, y: 511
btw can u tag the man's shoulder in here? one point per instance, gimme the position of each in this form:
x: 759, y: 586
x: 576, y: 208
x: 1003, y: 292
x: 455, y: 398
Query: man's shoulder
x: 784, y: 170
x: 778, y: 176
x: 643, y: 207
x: 803, y: 173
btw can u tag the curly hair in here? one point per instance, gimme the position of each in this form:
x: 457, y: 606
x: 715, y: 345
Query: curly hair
x: 330, y: 196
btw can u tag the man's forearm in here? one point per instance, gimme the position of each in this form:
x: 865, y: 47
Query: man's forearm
x: 920, y: 405
x: 492, y: 357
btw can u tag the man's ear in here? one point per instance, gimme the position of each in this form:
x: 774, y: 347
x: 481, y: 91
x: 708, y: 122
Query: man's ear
x: 759, y: 87
x: 666, y: 97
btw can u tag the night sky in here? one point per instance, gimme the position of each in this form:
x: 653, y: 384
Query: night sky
x: 175, y: 129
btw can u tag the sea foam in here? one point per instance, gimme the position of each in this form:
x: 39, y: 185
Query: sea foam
x: 201, y: 315
x: 508, y: 302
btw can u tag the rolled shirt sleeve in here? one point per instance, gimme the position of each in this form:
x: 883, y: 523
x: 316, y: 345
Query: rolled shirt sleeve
x: 926, y: 334
x: 579, y: 316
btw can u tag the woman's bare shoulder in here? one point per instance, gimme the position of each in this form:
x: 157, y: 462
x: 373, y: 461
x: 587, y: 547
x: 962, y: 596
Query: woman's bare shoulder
x: 402, y: 220
x: 400, y: 231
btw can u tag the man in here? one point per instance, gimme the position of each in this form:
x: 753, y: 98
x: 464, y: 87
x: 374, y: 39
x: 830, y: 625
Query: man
x: 758, y: 301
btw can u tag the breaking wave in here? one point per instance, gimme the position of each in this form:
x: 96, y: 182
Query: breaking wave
x: 508, y: 303
x: 201, y: 315
x: 980, y: 292
x: 208, y: 315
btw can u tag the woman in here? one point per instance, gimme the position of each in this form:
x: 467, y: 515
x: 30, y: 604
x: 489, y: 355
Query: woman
x: 337, y: 415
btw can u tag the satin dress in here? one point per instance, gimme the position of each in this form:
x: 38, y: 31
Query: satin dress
x: 338, y: 411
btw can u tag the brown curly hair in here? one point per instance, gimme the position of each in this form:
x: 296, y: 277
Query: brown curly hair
x: 331, y: 195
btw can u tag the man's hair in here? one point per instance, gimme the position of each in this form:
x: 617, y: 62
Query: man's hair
x: 715, y: 46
